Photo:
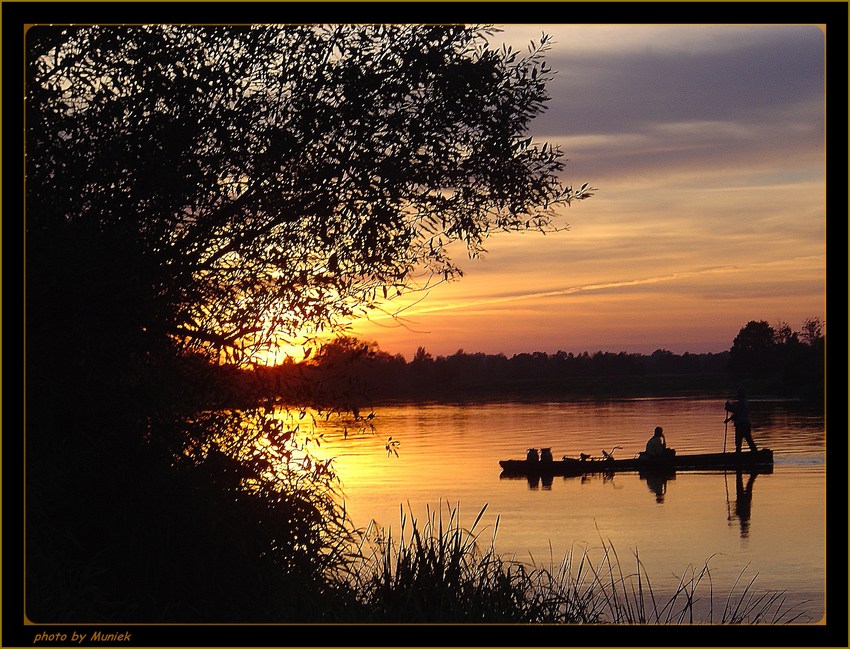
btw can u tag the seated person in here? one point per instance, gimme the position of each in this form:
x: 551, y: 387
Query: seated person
x: 657, y: 445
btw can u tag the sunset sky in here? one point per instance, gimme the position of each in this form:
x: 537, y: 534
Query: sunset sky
x: 707, y: 146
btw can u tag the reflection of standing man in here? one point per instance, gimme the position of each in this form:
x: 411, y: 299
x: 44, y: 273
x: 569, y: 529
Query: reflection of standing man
x: 739, y: 413
x: 744, y: 501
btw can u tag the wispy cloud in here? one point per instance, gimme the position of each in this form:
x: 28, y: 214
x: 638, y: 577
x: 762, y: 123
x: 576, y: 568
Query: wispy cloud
x: 707, y: 145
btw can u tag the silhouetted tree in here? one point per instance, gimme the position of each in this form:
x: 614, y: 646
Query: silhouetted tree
x: 812, y: 331
x: 243, y: 185
x: 752, y: 350
x: 784, y: 334
x: 663, y: 360
x: 216, y: 190
x: 421, y: 357
x: 813, y: 365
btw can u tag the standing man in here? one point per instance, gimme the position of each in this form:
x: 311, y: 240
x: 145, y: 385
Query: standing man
x: 739, y: 414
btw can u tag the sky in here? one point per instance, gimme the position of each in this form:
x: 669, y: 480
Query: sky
x: 706, y: 144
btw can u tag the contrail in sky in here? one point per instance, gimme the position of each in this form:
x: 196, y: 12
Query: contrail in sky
x: 582, y: 288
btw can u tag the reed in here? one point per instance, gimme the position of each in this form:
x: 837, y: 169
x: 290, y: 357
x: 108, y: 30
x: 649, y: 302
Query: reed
x: 434, y: 570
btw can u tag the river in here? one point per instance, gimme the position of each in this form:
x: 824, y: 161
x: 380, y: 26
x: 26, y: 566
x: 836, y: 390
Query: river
x: 771, y: 527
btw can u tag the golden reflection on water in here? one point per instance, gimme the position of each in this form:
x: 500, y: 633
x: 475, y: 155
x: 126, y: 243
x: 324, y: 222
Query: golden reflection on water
x: 771, y: 524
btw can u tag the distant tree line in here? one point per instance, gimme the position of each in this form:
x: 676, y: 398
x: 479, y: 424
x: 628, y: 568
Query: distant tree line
x: 348, y: 372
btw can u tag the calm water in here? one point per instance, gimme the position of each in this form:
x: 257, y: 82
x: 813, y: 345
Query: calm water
x: 449, y: 454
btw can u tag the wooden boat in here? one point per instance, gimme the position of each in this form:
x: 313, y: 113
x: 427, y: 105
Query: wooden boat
x: 760, y: 460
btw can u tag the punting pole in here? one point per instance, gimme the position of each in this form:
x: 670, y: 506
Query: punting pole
x: 725, y: 483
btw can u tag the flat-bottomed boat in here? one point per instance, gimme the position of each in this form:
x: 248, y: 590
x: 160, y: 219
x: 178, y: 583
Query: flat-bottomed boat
x: 760, y: 460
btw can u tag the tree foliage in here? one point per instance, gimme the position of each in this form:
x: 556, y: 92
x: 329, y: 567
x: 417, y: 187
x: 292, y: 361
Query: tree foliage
x: 221, y: 189
x: 752, y: 349
x: 243, y: 185
x: 797, y: 357
x: 812, y: 331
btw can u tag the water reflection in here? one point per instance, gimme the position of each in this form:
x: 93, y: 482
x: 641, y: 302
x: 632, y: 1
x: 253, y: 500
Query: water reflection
x: 743, y: 501
x: 452, y: 452
x: 544, y: 481
x: 537, y: 481
x: 657, y: 482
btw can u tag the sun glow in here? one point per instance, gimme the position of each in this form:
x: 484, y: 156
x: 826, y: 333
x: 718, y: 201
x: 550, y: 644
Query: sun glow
x: 295, y: 347
x: 280, y: 354
x: 297, y: 351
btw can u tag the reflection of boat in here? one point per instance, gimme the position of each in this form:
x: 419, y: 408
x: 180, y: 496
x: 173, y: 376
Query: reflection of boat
x: 760, y: 461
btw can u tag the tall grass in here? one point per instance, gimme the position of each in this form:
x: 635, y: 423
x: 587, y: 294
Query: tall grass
x: 435, y: 570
